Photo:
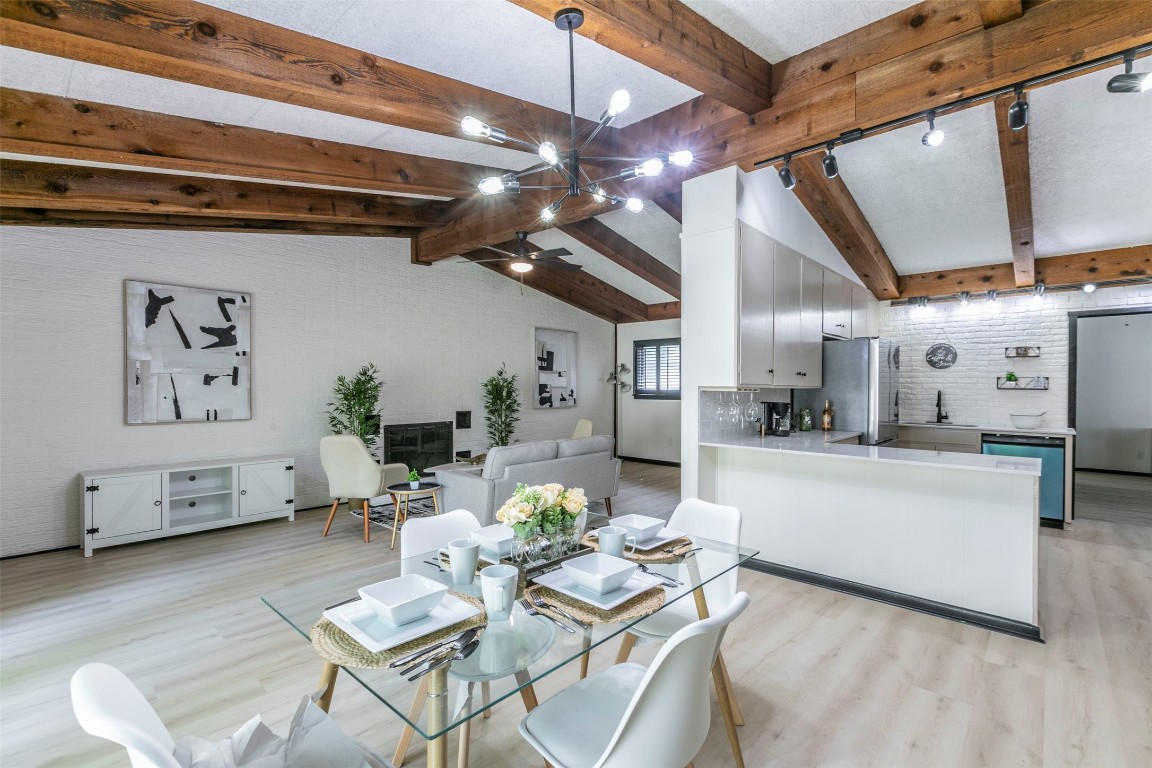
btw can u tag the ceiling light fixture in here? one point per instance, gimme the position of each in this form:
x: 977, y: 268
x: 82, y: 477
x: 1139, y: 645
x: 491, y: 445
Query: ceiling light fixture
x: 521, y: 266
x: 1038, y: 291
x: 964, y: 297
x: 831, y: 170
x: 934, y: 137
x: 786, y: 176
x: 568, y: 163
x: 1018, y: 111
x: 1089, y: 288
x: 1130, y: 82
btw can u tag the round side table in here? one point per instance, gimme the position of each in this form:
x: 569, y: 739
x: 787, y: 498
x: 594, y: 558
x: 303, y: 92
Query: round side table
x: 403, y: 492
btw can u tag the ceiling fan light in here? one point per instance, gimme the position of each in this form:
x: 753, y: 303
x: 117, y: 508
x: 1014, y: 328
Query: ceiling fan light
x: 831, y: 169
x: 1130, y: 82
x: 653, y: 167
x: 634, y: 204
x: 1089, y: 288
x: 619, y: 102
x: 787, y: 178
x: 548, y: 153
x: 548, y: 212
x: 521, y: 266
x: 682, y: 159
x: 492, y: 185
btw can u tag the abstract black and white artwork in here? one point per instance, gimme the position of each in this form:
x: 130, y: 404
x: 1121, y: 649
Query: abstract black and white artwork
x: 555, y: 369
x: 189, y: 354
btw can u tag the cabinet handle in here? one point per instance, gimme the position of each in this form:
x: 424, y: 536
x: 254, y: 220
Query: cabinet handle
x: 771, y: 370
x: 191, y: 503
x: 156, y: 503
x: 243, y: 492
x: 191, y: 478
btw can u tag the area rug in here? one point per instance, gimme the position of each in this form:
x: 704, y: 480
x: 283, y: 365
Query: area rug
x: 384, y: 514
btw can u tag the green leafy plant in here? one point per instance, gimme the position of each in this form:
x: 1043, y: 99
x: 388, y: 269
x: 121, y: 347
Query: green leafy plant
x: 413, y: 476
x: 1010, y: 376
x: 501, y: 406
x: 353, y: 410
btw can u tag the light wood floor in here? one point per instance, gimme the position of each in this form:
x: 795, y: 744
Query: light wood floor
x: 824, y: 678
x: 1114, y: 498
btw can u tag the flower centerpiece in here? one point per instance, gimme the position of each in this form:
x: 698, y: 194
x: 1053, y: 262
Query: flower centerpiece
x: 549, y: 509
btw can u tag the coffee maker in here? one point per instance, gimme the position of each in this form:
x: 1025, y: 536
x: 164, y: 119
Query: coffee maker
x: 778, y: 418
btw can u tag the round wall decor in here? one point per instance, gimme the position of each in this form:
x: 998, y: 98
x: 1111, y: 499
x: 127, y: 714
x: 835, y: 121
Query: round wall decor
x: 941, y: 356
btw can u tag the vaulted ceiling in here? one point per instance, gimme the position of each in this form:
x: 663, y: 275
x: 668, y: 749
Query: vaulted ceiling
x: 342, y: 118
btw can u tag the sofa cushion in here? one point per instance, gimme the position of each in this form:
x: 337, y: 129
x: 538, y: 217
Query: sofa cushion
x: 524, y: 453
x: 583, y: 445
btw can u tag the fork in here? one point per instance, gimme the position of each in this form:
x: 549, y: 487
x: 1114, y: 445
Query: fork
x: 531, y: 611
x: 540, y: 602
x: 668, y: 580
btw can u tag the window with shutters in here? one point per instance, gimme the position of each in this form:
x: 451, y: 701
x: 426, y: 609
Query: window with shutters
x: 657, y: 369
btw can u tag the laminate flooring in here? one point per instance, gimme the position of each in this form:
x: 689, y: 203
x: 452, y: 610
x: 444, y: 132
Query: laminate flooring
x: 1114, y: 498
x: 824, y: 679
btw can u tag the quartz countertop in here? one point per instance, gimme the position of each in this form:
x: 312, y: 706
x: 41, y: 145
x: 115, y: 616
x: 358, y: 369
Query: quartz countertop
x: 1001, y: 429
x: 815, y: 447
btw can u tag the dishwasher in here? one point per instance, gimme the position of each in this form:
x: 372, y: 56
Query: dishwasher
x: 1050, y: 451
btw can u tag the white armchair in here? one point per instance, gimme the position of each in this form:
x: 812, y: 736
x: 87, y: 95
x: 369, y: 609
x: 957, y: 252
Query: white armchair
x: 354, y: 474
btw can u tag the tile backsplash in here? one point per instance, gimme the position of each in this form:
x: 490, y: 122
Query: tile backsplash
x: 715, y: 427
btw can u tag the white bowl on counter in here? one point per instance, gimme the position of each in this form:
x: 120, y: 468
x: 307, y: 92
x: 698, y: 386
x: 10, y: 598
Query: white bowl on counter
x: 640, y: 526
x: 495, y: 538
x: 598, y: 572
x: 1026, y: 420
x: 405, y: 599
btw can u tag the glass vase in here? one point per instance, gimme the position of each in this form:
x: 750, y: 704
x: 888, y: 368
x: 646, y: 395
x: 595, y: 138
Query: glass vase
x: 569, y: 535
x: 524, y: 546
x: 551, y: 542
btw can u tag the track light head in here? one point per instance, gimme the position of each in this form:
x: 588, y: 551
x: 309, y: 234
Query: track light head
x: 1018, y: 111
x: 992, y: 294
x: 1089, y: 288
x: 831, y: 169
x: 1038, y: 291
x: 787, y: 178
x: 964, y: 297
x: 934, y: 137
x: 1130, y: 82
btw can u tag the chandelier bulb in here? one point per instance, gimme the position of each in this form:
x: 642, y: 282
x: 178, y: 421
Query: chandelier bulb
x: 474, y: 127
x: 634, y: 204
x: 653, y: 167
x: 619, y: 102
x: 598, y: 194
x: 493, y: 185
x: 681, y: 159
x: 549, y: 154
x: 548, y: 213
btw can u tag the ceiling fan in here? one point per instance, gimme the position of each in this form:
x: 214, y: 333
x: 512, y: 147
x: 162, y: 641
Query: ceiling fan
x: 523, y: 258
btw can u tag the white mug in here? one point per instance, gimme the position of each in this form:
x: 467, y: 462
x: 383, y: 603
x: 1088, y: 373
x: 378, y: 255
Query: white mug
x: 498, y: 586
x: 613, y: 539
x: 463, y: 555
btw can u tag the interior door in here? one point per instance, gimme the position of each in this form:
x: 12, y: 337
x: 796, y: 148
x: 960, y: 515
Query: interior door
x: 264, y: 488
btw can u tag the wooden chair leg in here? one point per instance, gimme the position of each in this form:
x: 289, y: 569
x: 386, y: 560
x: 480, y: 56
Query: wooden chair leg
x: 738, y: 716
x: 626, y: 645
x: 400, y: 515
x: 327, y: 685
x: 331, y: 517
x: 367, y: 535
x: 587, y: 655
x: 413, y: 713
x: 608, y: 505
x: 729, y: 719
x: 486, y: 697
x: 465, y: 732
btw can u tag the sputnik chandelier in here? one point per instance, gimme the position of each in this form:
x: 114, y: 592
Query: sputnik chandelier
x: 568, y: 164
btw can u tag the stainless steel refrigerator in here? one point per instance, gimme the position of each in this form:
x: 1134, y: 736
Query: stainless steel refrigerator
x: 861, y: 379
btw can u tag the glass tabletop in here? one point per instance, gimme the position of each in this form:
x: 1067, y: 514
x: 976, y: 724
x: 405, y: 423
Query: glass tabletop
x: 512, y: 654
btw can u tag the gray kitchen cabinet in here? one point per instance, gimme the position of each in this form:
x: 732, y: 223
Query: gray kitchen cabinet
x: 928, y: 438
x: 755, y: 335
x: 837, y: 305
x: 865, y: 323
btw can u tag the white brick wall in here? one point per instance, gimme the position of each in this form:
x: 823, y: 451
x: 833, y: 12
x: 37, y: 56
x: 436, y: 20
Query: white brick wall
x: 979, y: 336
x: 321, y: 306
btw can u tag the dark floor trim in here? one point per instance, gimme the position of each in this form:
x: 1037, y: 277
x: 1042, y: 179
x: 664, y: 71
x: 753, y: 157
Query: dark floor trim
x: 650, y: 461
x: 1046, y: 522
x: 931, y: 607
x: 41, y: 552
x: 1113, y: 472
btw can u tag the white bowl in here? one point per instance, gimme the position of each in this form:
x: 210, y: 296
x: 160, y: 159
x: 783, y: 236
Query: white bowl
x: 640, y: 526
x: 1025, y: 421
x: 495, y: 538
x: 405, y: 599
x: 598, y: 572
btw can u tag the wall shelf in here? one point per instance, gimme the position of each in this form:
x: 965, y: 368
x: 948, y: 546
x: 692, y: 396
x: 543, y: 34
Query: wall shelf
x: 1021, y: 351
x: 1026, y: 382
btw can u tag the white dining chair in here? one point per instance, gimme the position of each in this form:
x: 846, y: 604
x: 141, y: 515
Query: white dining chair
x: 583, y: 429
x: 720, y: 523
x: 631, y: 716
x: 109, y: 706
x: 354, y: 474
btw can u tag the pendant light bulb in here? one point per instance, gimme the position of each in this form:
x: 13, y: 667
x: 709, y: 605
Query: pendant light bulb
x: 634, y: 204
x: 493, y: 185
x: 681, y: 159
x: 598, y: 194
x: 653, y: 167
x: 474, y: 127
x: 619, y: 102
x: 548, y: 212
x: 1018, y: 111
x: 548, y: 153
x: 1130, y: 82
x: 787, y: 178
x: 831, y: 170
x: 934, y: 137
x: 521, y: 266
x: 1089, y: 288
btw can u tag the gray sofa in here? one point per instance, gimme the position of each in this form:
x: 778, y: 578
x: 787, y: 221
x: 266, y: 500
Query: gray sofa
x: 583, y: 463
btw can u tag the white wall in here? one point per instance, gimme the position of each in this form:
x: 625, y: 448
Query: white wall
x: 980, y: 336
x: 648, y: 429
x: 321, y: 306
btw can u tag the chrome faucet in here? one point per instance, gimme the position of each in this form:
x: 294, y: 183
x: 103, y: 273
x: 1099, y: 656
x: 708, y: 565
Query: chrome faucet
x: 941, y: 416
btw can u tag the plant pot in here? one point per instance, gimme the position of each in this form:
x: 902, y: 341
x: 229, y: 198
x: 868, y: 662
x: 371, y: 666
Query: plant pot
x: 415, y: 484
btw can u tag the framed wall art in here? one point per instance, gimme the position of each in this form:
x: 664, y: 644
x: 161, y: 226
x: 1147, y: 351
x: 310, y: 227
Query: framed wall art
x: 555, y: 369
x: 189, y: 354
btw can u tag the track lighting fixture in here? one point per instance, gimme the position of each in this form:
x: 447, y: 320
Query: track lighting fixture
x: 1130, y: 82
x: 786, y: 176
x: 831, y: 170
x: 1038, y: 291
x: 1018, y: 111
x: 964, y: 297
x: 992, y: 294
x: 1089, y: 288
x: 934, y: 137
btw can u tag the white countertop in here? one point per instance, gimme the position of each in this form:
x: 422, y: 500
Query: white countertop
x: 1004, y: 429
x: 818, y: 447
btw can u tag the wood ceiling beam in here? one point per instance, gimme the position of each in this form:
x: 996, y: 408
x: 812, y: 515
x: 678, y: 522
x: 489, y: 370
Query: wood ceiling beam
x: 616, y: 248
x: 1017, y: 192
x: 832, y: 206
x: 52, y: 126
x: 671, y: 38
x: 1053, y: 271
x: 996, y: 12
x: 42, y: 217
x: 26, y: 184
x: 672, y: 204
x: 194, y: 43
x: 667, y: 311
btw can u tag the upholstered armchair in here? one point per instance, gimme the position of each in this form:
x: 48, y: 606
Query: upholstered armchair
x: 354, y: 474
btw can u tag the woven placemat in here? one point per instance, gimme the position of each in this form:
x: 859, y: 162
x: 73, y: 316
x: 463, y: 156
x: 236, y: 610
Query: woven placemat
x: 642, y: 605
x: 335, y: 645
x: 655, y: 557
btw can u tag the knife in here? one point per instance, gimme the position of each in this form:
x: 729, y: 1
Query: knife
x: 464, y: 653
x: 460, y: 641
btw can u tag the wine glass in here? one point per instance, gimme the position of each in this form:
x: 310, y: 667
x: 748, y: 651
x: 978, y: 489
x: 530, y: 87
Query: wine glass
x: 751, y: 409
x: 734, y: 410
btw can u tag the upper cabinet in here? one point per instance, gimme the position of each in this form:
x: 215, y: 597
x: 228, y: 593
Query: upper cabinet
x: 756, y: 334
x: 838, y: 314
x: 865, y: 313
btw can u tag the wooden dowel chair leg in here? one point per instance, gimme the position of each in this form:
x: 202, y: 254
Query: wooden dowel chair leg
x: 413, y: 713
x: 327, y: 685
x: 626, y: 645
x: 608, y: 505
x: 729, y: 719
x: 331, y: 517
x: 367, y: 535
x: 486, y: 698
x: 737, y: 715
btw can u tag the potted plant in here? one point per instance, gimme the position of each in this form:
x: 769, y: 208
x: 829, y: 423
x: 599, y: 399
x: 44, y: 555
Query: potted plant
x: 1010, y: 376
x: 414, y: 480
x: 501, y: 406
x: 353, y: 411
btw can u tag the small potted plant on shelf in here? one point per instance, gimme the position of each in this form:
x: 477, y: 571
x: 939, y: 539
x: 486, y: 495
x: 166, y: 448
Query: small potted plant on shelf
x: 1010, y: 376
x: 414, y: 479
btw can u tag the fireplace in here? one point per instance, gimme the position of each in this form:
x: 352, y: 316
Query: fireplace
x: 420, y: 446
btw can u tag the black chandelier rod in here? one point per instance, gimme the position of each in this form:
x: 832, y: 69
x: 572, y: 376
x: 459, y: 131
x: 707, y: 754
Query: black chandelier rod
x: 573, y: 153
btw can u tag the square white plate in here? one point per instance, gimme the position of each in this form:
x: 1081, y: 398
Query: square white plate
x: 560, y: 581
x: 660, y: 539
x: 375, y: 634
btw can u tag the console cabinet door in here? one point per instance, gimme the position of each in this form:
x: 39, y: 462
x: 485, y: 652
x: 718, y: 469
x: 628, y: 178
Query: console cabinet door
x: 264, y: 488
x: 126, y: 505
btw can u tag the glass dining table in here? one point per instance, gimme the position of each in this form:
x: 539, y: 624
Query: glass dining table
x: 512, y: 654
